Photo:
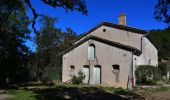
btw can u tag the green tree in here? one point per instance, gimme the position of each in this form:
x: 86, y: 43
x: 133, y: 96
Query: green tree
x: 162, y: 11
x: 13, y: 34
x: 163, y: 69
x: 51, y: 42
x: 162, y: 40
x: 69, y: 37
x: 49, y: 37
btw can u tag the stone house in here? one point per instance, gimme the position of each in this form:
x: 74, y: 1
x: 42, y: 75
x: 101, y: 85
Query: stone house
x: 108, y: 54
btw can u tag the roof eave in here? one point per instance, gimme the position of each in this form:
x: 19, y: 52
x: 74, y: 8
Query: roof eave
x: 115, y: 44
x: 108, y: 24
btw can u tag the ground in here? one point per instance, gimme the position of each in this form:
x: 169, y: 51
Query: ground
x: 159, y: 95
x: 80, y: 92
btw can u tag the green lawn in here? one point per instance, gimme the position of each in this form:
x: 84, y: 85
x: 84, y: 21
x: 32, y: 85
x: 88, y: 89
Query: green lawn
x: 22, y: 95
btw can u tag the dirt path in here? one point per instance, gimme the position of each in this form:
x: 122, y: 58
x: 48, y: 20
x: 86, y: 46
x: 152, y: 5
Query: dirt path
x: 160, y: 95
x: 4, y: 96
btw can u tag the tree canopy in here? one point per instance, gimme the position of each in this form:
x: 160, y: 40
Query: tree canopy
x: 162, y: 39
x: 13, y: 34
x: 162, y: 11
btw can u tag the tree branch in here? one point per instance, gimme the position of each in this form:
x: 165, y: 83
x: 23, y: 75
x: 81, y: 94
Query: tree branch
x: 35, y: 15
x: 72, y: 5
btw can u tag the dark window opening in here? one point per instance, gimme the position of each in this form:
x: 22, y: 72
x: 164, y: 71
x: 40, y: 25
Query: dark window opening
x: 104, y: 30
x: 72, y: 68
x: 115, y: 67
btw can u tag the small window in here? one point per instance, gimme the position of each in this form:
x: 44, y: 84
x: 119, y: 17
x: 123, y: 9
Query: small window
x: 115, y: 67
x: 91, y: 52
x: 72, y: 68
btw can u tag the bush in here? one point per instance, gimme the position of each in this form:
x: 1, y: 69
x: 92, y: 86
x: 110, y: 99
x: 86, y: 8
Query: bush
x: 163, y: 68
x: 78, y: 79
x: 147, y: 75
x: 50, y: 74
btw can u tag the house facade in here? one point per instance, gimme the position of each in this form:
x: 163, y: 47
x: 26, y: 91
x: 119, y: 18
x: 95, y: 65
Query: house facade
x: 108, y: 54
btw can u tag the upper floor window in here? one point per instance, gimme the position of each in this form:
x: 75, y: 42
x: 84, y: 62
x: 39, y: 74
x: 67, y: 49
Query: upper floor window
x: 115, y: 67
x: 91, y: 52
x: 72, y: 67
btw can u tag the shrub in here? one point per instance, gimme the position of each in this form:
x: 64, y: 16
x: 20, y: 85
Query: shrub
x: 147, y: 75
x: 49, y: 75
x: 163, y: 68
x: 78, y: 79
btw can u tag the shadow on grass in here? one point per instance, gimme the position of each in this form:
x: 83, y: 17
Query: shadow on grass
x: 76, y: 93
x: 129, y: 93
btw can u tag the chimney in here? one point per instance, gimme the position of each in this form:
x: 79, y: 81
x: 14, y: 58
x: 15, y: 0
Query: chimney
x: 122, y: 19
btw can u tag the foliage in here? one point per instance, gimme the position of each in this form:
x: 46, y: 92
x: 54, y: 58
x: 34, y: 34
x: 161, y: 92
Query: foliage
x: 168, y: 81
x: 13, y: 34
x: 46, y: 57
x: 78, y: 79
x: 50, y: 43
x: 72, y: 5
x: 15, y: 55
x: 50, y: 75
x: 162, y: 10
x: 147, y: 74
x: 163, y: 69
x: 162, y: 40
x: 68, y: 38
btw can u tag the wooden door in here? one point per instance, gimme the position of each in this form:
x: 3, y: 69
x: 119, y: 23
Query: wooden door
x: 97, y: 74
x: 86, y: 72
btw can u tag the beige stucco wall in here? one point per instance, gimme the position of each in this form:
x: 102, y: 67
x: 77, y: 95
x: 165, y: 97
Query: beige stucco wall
x: 117, y: 35
x: 131, y: 39
x: 149, y: 52
x: 106, y: 56
x: 149, y: 55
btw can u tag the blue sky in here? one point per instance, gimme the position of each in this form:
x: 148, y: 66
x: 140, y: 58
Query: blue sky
x: 139, y: 14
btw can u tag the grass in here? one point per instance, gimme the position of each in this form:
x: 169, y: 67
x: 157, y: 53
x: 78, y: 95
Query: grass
x: 168, y: 81
x: 60, y: 91
x: 22, y: 94
x: 148, y: 91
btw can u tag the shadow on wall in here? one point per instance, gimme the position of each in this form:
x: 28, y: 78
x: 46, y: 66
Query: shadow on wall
x: 116, y: 73
x: 75, y: 93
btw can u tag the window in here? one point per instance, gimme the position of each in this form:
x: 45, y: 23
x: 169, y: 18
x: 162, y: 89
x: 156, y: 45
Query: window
x: 91, y: 52
x: 72, y: 68
x: 115, y: 67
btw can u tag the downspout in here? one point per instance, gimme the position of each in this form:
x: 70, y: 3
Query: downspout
x: 132, y: 79
x: 133, y: 52
x: 147, y: 32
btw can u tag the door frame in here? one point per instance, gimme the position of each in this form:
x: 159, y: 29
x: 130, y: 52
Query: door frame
x: 99, y: 66
x: 87, y: 66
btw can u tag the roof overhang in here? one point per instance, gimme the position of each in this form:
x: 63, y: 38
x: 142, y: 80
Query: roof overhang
x: 108, y: 42
x: 108, y: 24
